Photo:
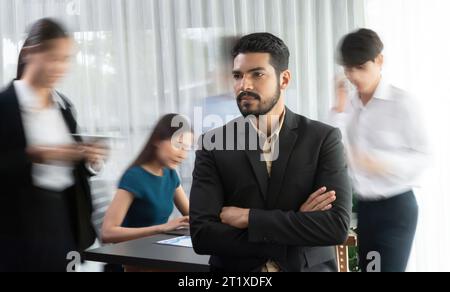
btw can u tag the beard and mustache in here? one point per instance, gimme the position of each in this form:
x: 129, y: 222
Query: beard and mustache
x: 263, y: 108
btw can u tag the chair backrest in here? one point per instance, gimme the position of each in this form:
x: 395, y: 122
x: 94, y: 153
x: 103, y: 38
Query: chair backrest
x: 342, y: 253
x: 102, y: 195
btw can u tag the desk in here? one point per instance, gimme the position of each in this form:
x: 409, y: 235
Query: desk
x: 146, y: 253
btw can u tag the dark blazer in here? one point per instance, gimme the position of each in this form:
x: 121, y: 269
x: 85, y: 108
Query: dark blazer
x: 16, y: 180
x: 311, y: 156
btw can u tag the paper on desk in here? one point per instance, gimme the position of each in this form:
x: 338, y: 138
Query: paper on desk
x: 183, y: 241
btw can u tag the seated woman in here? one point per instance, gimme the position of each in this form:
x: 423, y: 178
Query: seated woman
x: 150, y: 187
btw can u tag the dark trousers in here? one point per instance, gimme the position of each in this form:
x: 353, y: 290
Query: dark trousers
x: 387, y: 227
x: 50, y: 232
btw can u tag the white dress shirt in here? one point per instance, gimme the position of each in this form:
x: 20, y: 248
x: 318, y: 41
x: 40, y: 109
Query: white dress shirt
x: 45, y: 127
x: 270, y: 148
x: 388, y: 130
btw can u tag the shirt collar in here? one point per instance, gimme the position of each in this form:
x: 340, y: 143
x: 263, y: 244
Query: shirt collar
x: 275, y: 134
x: 382, y: 93
x: 27, y: 96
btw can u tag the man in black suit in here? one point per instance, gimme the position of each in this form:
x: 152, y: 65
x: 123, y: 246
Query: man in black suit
x: 251, y: 207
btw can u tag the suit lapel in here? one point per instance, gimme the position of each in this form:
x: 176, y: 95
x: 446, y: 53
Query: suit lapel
x: 271, y: 186
x: 70, y: 121
x: 15, y: 118
x: 287, y: 141
x: 253, y: 156
x: 260, y: 171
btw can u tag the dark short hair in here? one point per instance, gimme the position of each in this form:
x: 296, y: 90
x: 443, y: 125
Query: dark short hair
x: 360, y: 47
x: 264, y: 43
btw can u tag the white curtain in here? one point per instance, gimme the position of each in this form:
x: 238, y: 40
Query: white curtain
x: 416, y: 35
x: 137, y: 60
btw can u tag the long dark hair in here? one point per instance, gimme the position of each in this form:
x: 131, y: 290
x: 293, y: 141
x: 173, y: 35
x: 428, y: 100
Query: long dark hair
x: 167, y: 127
x: 40, y: 33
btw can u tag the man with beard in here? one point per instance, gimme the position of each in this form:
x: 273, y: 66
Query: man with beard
x: 253, y: 205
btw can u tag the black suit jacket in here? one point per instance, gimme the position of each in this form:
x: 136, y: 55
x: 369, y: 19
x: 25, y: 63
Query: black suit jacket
x: 16, y: 181
x: 311, y: 156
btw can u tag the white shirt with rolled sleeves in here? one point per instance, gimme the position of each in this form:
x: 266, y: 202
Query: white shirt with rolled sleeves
x: 389, y: 130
